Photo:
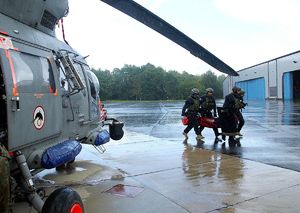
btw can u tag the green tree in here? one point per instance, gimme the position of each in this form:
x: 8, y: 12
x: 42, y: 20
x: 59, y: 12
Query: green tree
x: 153, y: 83
x: 210, y: 80
x: 106, y: 84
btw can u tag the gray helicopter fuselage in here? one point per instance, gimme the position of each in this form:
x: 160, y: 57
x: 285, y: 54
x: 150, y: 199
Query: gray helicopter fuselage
x: 43, y: 106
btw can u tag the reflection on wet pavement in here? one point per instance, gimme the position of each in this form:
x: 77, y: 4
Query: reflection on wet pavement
x: 163, y: 176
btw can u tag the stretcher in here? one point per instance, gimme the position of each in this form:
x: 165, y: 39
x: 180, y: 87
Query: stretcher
x: 227, y: 122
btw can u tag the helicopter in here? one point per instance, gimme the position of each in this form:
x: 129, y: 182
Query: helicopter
x: 50, y: 102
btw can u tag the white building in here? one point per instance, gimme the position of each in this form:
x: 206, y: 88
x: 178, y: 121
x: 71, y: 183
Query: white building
x: 278, y: 78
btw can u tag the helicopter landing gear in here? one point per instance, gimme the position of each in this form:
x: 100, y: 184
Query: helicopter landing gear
x: 26, y: 182
x: 63, y: 200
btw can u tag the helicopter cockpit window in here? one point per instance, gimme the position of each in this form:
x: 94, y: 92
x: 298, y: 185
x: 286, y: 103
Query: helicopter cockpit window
x: 94, y: 84
x: 64, y: 84
x: 79, y: 69
x: 33, y: 73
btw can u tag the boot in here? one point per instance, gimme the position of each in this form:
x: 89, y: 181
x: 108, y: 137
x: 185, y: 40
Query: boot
x: 199, y: 137
x: 185, y: 135
x: 217, y: 139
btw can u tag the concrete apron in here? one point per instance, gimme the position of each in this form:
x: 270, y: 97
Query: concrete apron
x: 152, y: 175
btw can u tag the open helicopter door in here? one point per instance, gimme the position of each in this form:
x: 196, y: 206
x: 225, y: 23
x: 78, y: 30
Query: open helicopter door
x: 34, y: 107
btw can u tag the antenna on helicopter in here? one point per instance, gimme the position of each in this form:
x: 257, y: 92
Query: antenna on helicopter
x: 63, y: 31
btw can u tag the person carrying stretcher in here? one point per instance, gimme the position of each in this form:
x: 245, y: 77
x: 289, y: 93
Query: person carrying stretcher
x: 232, y: 119
x: 191, y: 110
x: 207, y: 105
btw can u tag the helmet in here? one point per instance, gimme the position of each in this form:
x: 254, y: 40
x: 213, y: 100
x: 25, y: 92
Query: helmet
x: 195, y: 91
x: 235, y: 88
x: 209, y: 90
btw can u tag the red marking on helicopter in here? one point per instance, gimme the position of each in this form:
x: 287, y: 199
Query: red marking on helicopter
x: 12, y: 68
x: 56, y: 92
x: 6, y: 43
x: 39, y: 95
x: 51, y: 90
x: 3, y: 33
x: 38, y: 117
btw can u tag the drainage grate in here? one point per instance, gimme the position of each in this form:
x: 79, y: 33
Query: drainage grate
x: 125, y: 190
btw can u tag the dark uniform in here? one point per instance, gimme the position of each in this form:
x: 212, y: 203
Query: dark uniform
x: 4, y: 181
x: 241, y: 105
x: 192, y: 105
x: 235, y: 119
x: 208, y: 104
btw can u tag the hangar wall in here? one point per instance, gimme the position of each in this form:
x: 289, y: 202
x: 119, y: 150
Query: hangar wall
x: 274, y: 79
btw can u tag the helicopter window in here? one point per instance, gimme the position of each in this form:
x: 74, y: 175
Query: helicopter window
x: 79, y: 69
x: 33, y: 73
x: 93, y: 89
x: 48, y: 77
x: 63, y: 79
x: 94, y: 84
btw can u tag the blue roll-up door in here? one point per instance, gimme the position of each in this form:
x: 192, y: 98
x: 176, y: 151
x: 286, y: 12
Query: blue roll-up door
x: 255, y: 88
x: 287, y: 86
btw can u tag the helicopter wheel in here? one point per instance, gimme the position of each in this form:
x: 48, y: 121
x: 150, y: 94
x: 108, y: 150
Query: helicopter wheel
x: 63, y: 200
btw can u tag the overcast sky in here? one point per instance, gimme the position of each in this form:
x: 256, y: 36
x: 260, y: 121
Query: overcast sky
x: 239, y: 32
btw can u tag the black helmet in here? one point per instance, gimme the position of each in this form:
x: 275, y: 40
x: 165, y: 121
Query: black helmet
x: 195, y: 91
x: 235, y: 89
x: 209, y: 90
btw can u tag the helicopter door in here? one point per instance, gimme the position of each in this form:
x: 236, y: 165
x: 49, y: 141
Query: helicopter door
x: 76, y: 99
x: 34, y: 106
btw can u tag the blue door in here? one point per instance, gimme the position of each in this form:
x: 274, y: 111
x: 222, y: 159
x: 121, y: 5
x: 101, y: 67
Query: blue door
x: 287, y: 86
x: 255, y: 88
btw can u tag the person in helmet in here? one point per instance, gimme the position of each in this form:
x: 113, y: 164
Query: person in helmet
x: 207, y: 105
x: 239, y: 114
x: 232, y: 103
x: 191, y: 110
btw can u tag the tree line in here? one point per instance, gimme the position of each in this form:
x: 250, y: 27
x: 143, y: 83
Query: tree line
x: 153, y: 83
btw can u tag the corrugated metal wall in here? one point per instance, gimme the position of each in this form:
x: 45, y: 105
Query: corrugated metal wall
x: 254, y: 88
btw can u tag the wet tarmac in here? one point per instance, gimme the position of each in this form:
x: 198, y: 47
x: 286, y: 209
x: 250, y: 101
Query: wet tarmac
x: 151, y: 170
x: 271, y: 131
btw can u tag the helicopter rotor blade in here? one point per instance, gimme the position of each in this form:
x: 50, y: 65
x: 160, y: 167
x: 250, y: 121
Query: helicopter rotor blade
x: 151, y: 20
